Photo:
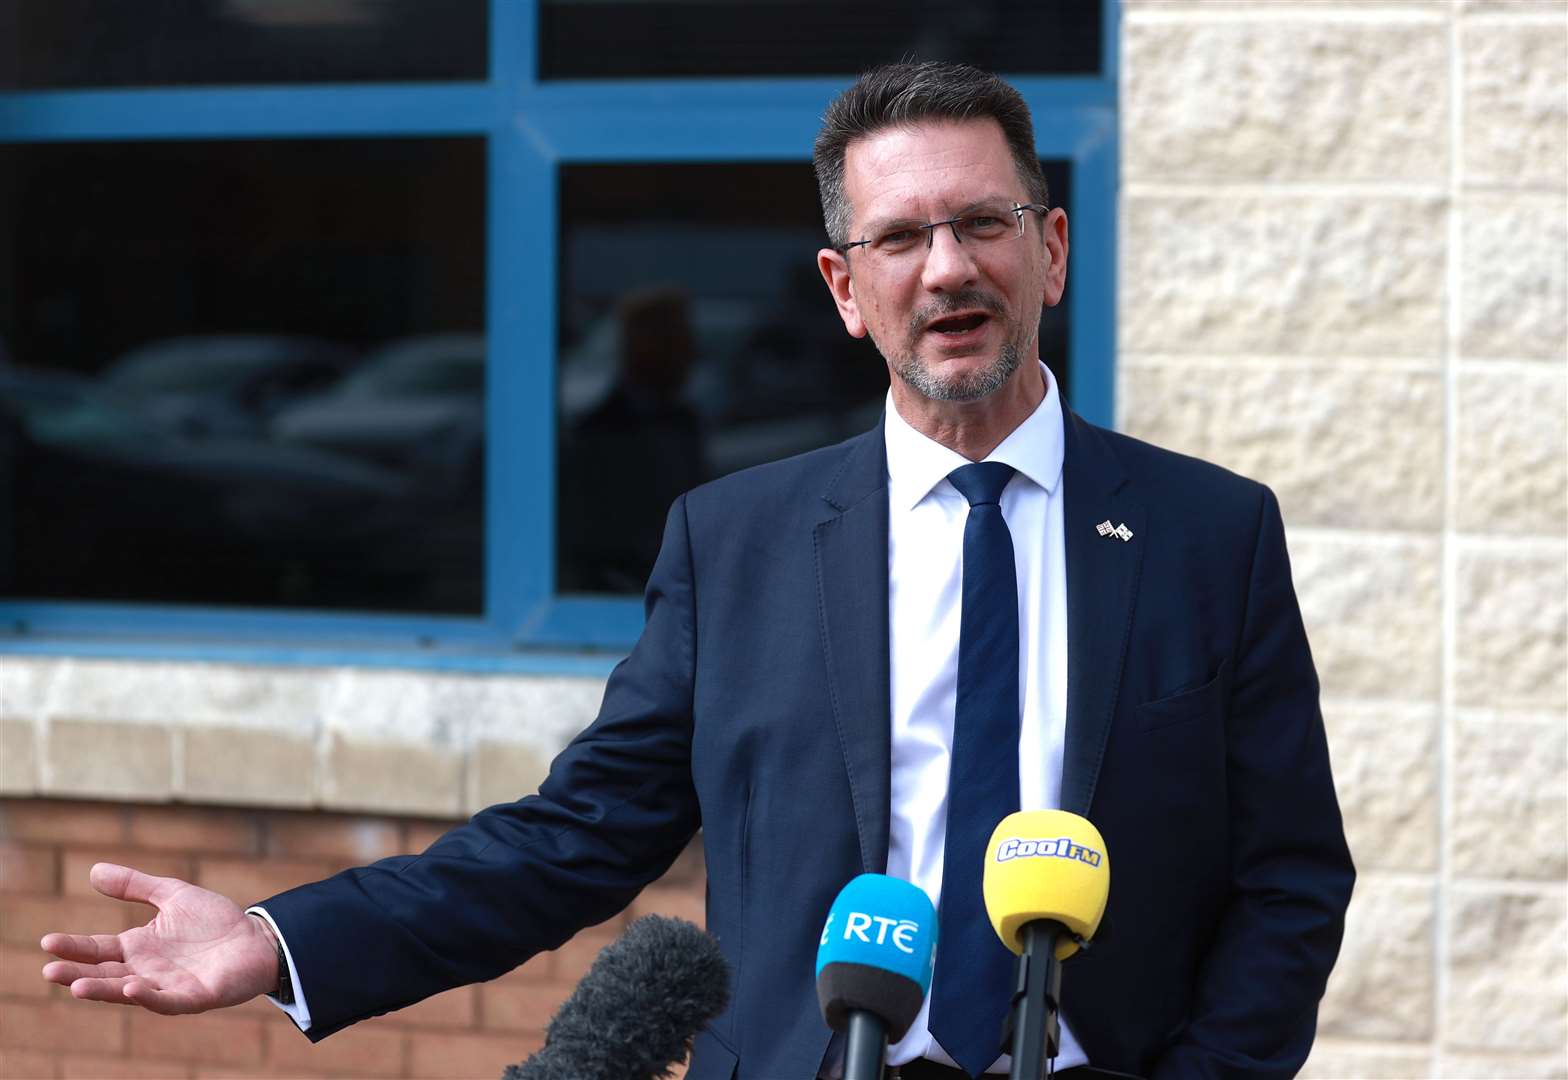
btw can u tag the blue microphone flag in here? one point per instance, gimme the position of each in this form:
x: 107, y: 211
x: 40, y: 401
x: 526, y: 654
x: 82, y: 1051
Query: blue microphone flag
x: 881, y: 922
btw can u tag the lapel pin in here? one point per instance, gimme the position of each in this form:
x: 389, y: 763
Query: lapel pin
x: 1121, y: 532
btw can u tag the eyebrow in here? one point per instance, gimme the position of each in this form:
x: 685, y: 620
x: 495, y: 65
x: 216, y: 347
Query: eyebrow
x: 877, y: 225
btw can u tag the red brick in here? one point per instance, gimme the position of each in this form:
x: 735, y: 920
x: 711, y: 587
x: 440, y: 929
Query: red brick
x: 249, y: 1072
x: 359, y: 1051
x: 572, y: 960
x: 454, y: 1009
x: 101, y: 1068
x: 25, y: 919
x: 421, y: 834
x: 245, y: 881
x: 21, y: 971
x: 466, y: 1056
x: 79, y: 861
x: 540, y: 969
x: 79, y: 1026
x: 29, y: 869
x: 520, y: 1006
x: 214, y: 1037
x: 689, y: 867
x: 61, y: 821
x: 195, y: 830
x: 679, y: 903
x: 342, y: 841
x: 26, y: 1065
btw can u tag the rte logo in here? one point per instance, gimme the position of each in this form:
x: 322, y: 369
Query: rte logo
x: 857, y: 925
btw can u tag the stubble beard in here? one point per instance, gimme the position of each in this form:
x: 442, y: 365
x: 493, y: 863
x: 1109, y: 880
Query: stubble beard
x: 961, y: 386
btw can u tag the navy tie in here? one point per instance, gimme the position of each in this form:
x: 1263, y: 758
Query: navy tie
x: 974, y: 970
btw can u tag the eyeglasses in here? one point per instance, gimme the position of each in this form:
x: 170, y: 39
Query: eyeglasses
x: 982, y: 226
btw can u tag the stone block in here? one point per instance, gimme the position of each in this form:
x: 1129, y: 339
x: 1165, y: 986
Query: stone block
x: 249, y: 766
x: 1334, y: 1060
x: 18, y: 757
x: 1510, y: 797
x: 1342, y: 447
x: 160, y: 692
x: 1513, y: 286
x: 25, y: 683
x: 1216, y: 100
x: 1384, y: 987
x: 1496, y: 8
x: 1285, y: 275
x: 1511, y: 472
x: 504, y: 772
x: 1507, y: 971
x: 1503, y: 1066
x: 1373, y: 613
x: 391, y: 777
x: 1386, y: 772
x: 1511, y: 632
x: 108, y: 760
x: 1515, y: 95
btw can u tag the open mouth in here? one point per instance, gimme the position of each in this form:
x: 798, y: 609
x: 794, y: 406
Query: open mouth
x: 957, y: 324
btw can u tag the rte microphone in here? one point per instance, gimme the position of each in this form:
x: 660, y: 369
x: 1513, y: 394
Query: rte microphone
x: 635, y: 1012
x: 874, y: 967
x: 1046, y: 879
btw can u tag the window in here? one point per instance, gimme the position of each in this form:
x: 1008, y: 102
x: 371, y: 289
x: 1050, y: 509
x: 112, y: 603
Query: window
x: 301, y: 346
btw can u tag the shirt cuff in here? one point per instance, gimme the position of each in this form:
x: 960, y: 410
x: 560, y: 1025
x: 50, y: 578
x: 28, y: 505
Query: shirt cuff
x: 299, y: 1011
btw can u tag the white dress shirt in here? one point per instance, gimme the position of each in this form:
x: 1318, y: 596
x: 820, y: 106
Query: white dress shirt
x: 926, y: 517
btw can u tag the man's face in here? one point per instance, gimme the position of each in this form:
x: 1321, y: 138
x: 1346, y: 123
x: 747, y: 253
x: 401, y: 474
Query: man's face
x: 955, y: 320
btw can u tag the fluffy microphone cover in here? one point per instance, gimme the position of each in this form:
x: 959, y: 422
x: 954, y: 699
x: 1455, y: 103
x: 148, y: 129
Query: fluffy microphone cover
x: 634, y: 1014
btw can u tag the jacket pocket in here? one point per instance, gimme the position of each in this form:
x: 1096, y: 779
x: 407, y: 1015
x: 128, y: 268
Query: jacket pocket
x: 1185, y: 705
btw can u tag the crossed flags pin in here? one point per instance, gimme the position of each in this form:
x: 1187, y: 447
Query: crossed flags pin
x: 1121, y: 532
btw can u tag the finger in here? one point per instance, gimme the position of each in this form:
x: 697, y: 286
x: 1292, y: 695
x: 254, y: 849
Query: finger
x: 167, y: 1002
x: 66, y: 973
x: 126, y: 883
x: 110, y: 990
x: 86, y: 948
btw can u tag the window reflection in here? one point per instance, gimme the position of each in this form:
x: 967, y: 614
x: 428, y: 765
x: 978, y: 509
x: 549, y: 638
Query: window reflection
x: 697, y: 338
x: 244, y: 373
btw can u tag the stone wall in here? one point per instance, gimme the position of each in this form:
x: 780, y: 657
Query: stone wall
x: 1344, y: 271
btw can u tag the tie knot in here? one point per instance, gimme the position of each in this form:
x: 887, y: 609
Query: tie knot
x: 982, y: 482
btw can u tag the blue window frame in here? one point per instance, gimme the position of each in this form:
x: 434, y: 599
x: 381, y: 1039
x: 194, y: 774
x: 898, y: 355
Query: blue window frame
x: 531, y: 128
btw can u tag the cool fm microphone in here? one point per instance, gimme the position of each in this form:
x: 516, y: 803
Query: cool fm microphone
x: 1046, y: 881
x: 874, y: 967
x: 635, y: 1012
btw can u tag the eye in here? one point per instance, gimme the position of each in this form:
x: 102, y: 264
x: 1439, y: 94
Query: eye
x: 897, y: 239
x: 984, y: 226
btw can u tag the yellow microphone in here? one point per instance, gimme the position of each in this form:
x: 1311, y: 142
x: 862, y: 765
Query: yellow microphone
x: 1047, y: 877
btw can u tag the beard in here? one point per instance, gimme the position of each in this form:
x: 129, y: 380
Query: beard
x: 961, y: 386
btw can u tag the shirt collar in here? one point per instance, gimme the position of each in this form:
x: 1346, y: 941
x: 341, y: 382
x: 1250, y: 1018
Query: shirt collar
x: 916, y: 465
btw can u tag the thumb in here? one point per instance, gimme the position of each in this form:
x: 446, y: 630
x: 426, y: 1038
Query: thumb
x: 126, y: 883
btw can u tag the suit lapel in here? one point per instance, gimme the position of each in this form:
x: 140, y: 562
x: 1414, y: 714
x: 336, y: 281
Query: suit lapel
x: 851, y: 558
x: 1102, y: 584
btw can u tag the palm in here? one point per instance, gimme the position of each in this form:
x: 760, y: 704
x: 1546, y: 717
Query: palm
x: 199, y: 952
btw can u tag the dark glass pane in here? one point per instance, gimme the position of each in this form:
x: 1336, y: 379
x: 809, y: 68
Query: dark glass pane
x: 47, y: 44
x: 697, y: 338
x: 639, y: 38
x: 243, y: 373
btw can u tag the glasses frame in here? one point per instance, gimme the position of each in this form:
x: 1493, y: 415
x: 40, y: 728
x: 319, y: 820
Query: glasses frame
x: 930, y: 227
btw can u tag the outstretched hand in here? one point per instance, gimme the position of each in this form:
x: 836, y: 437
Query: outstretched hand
x: 199, y: 952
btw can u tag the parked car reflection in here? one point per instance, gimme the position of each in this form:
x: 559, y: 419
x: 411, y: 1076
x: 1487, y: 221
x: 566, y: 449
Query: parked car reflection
x: 224, y: 384
x: 111, y: 505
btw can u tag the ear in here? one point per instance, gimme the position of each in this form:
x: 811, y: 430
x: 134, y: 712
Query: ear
x: 835, y: 271
x: 1055, y: 226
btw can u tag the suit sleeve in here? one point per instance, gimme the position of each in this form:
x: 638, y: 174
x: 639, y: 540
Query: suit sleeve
x: 1255, y: 1010
x: 616, y: 809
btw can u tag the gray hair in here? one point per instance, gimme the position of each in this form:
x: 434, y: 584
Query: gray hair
x: 902, y: 94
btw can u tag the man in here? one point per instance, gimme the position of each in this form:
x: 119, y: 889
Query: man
x: 860, y: 659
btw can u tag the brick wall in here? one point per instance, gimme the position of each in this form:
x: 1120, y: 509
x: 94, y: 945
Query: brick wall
x: 47, y: 846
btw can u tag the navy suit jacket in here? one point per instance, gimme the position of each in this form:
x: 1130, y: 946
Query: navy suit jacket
x: 756, y: 706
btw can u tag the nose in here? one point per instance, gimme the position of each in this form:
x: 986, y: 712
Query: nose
x: 950, y: 265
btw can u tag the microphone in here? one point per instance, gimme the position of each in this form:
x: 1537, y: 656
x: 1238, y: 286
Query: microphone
x: 874, y: 967
x: 634, y: 1014
x: 1046, y: 880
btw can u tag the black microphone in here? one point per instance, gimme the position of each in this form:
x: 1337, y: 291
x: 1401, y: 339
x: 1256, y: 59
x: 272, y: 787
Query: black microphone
x: 634, y: 1014
x: 874, y: 967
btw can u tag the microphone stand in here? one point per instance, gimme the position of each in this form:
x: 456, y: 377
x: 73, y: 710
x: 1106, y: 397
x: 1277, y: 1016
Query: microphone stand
x: 1032, y: 1022
x: 865, y: 1046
